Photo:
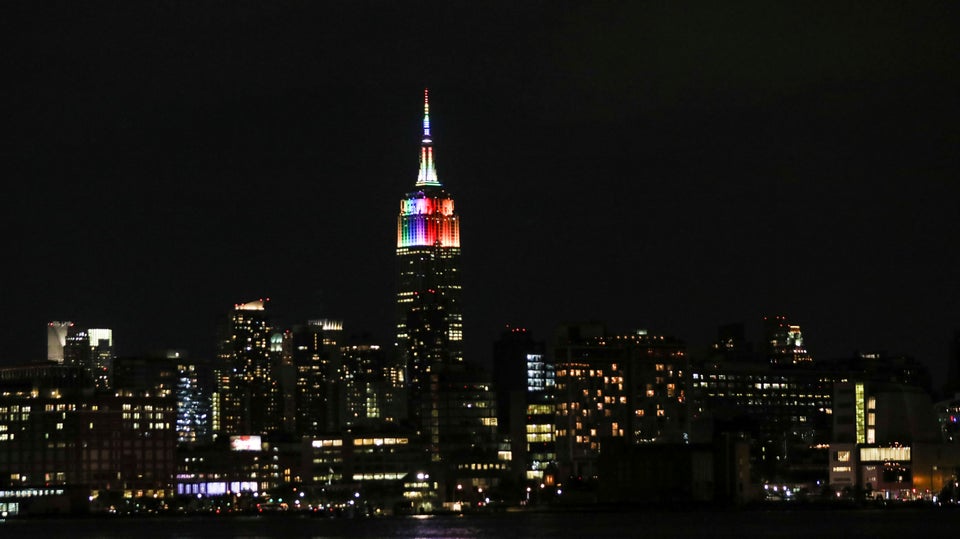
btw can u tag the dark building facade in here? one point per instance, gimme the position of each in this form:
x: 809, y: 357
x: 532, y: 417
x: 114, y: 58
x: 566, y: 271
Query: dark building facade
x: 312, y: 353
x: 783, y: 342
x: 92, y: 349
x: 372, y: 385
x: 247, y: 383
x: 631, y: 386
x: 524, y: 378
x: 783, y: 410
x: 106, y: 443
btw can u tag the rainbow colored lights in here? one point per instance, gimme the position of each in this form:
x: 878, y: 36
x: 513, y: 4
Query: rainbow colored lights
x: 426, y: 216
x: 427, y: 221
x: 428, y: 171
x: 421, y: 204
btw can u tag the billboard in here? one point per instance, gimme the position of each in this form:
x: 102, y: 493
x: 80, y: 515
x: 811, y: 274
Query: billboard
x: 245, y: 443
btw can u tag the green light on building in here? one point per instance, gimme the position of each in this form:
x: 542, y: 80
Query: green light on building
x: 861, y: 416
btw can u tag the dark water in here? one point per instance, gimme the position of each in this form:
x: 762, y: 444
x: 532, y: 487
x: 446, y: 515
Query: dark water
x: 906, y: 523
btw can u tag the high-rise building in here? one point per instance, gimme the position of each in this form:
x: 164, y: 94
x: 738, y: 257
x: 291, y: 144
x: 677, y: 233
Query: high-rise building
x: 247, y: 387
x: 54, y: 433
x: 170, y: 374
x: 524, y: 380
x: 56, y: 339
x: 193, y: 392
x: 429, y: 314
x: 784, y: 342
x: 451, y: 407
x: 784, y: 409
x: 467, y: 452
x: 92, y: 349
x: 371, y: 385
x: 314, y: 354
x: 631, y: 386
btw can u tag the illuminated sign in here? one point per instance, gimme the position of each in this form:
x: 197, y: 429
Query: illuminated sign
x: 245, y: 443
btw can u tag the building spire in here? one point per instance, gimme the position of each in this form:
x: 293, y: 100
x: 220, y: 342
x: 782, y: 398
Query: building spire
x: 428, y: 172
x: 426, y: 115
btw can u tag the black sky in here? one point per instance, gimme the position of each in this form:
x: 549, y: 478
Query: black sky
x: 649, y: 164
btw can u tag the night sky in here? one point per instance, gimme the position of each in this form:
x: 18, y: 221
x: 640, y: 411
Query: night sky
x: 647, y: 164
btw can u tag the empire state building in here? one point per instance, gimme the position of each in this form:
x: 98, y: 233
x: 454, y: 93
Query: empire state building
x: 429, y: 314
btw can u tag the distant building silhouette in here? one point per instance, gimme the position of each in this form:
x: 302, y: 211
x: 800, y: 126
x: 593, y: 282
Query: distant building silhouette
x: 783, y: 342
x: 373, y: 389
x: 314, y: 355
x: 92, y: 349
x: 57, y: 333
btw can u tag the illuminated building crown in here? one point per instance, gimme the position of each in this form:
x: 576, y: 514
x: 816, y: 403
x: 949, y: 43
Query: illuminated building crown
x: 427, y: 217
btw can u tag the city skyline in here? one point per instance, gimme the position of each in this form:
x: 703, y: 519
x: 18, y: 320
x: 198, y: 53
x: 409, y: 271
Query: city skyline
x: 637, y: 167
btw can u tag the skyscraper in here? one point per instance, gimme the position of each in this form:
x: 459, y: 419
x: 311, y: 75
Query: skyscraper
x: 248, y: 392
x: 56, y: 339
x: 101, y: 357
x: 628, y: 386
x: 784, y: 342
x: 429, y: 315
x: 315, y: 357
x: 524, y: 379
x: 92, y: 349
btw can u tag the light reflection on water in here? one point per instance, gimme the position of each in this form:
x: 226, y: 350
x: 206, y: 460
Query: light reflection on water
x: 556, y: 525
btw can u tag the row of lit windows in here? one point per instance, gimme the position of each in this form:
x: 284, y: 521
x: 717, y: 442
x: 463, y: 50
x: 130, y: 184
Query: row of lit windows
x: 540, y: 409
x: 484, y: 466
x: 30, y: 492
x: 762, y: 386
x: 142, y: 408
x: 59, y: 407
x: 136, y: 425
x: 884, y: 454
x: 395, y: 476
x: 806, y: 400
x: 137, y: 415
